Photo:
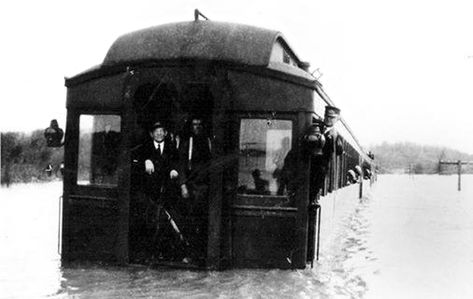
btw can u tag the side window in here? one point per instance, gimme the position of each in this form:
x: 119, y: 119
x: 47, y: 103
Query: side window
x: 99, y: 143
x: 264, y: 154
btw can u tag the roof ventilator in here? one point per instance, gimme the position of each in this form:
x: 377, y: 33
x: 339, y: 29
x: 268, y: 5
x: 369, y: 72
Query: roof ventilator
x: 197, y: 13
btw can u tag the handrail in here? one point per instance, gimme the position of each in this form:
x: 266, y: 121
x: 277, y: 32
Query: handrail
x: 59, y: 230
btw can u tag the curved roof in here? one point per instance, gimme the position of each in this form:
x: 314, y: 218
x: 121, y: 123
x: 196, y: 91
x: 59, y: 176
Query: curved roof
x: 206, y: 40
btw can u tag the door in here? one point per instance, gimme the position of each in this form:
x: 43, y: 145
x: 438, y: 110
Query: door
x: 165, y: 227
x: 264, y: 212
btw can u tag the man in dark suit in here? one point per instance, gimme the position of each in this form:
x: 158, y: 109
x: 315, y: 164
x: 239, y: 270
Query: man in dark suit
x: 159, y: 156
x: 195, y: 153
x: 160, y: 159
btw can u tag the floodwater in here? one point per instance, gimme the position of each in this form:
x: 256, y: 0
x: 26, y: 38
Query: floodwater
x: 409, y: 237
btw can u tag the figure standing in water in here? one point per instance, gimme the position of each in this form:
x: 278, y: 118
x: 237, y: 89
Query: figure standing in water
x: 195, y: 153
x: 159, y: 156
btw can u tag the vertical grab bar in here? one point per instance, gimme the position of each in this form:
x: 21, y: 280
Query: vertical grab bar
x: 319, y: 216
x: 315, y: 211
x: 59, y: 229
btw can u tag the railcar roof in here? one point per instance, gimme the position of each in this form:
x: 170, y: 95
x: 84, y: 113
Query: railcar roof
x: 202, y: 40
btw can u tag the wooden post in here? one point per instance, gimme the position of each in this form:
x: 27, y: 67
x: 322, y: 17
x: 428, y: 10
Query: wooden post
x: 459, y: 175
x: 361, y: 179
x: 459, y: 169
x: 361, y: 187
x: 335, y: 166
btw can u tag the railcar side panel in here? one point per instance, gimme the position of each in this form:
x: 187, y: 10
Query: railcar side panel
x: 95, y: 183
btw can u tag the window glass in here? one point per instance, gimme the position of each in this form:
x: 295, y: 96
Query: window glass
x: 280, y: 53
x: 264, y: 156
x: 99, y: 140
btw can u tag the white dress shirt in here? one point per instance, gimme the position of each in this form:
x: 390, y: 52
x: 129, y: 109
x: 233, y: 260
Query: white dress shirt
x: 161, y: 145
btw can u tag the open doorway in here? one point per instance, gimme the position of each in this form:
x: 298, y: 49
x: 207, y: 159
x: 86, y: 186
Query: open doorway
x: 169, y: 225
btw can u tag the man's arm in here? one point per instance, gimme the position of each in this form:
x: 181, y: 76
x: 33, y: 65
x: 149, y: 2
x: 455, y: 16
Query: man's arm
x: 146, y: 160
x: 183, y: 165
x: 173, y: 161
x: 339, y: 146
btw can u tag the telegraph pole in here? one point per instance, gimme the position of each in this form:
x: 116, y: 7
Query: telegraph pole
x: 459, y: 164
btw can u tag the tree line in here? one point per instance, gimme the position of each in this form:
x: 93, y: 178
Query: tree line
x: 408, y: 157
x: 25, y: 158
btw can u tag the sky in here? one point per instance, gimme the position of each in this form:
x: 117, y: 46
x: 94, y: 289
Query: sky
x: 399, y: 70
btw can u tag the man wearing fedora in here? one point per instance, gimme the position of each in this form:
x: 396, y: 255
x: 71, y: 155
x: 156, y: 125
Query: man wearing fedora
x: 160, y: 158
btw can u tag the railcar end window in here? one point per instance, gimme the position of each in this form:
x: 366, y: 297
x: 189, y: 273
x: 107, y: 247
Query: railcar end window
x: 99, y: 140
x: 264, y: 157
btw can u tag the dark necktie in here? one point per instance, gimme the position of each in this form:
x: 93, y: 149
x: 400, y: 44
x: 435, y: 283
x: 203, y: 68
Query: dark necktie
x: 159, y: 148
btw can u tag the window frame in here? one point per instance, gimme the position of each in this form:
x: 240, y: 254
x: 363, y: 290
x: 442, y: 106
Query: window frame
x: 94, y: 113
x: 267, y: 200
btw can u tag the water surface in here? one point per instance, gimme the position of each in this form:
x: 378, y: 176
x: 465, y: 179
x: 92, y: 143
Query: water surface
x: 410, y: 237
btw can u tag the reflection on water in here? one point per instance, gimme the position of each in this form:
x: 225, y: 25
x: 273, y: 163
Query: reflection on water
x: 422, y: 234
x: 412, y: 237
x: 29, y: 262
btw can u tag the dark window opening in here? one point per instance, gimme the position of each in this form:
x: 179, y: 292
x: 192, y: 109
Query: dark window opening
x: 286, y: 58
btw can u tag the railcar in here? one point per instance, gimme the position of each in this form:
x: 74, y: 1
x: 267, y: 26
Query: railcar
x: 256, y: 97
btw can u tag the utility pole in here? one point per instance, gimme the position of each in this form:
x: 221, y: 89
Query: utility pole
x: 459, y: 164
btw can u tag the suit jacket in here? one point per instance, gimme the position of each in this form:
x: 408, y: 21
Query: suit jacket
x: 159, y: 180
x: 194, y: 170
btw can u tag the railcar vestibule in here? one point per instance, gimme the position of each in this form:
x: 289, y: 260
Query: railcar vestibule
x: 255, y: 99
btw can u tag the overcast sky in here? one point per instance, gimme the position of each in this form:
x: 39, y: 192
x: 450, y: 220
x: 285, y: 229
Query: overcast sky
x: 399, y: 70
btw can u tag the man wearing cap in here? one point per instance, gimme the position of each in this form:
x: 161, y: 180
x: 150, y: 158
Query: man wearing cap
x: 321, y: 158
x: 159, y: 156
x: 322, y: 142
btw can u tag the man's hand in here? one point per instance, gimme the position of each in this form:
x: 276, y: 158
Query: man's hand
x: 173, y: 174
x: 332, y: 133
x: 184, y: 191
x: 149, y: 166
